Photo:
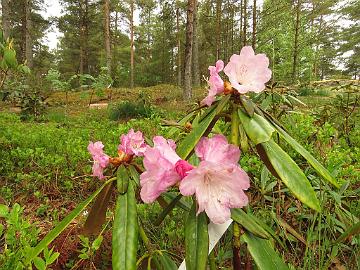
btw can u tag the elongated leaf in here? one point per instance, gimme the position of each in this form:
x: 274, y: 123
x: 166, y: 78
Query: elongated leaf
x: 291, y: 230
x: 63, y: 224
x: 257, y: 128
x: 125, y: 232
x: 10, y: 57
x: 248, y: 223
x: 196, y: 240
x: 187, y: 145
x: 234, y: 134
x: 312, y: 161
x: 97, y: 214
x: 248, y: 105
x: 134, y: 174
x: 353, y: 230
x: 291, y: 175
x: 122, y: 179
x: 182, y: 203
x: 166, y: 262
x: 167, y: 210
x: 182, y: 122
x: 263, y: 156
x: 263, y: 253
x: 268, y: 230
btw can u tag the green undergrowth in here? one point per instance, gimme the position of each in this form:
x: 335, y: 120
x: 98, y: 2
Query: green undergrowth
x: 45, y: 167
x: 53, y: 154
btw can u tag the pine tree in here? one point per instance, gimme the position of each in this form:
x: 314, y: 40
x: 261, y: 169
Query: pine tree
x: 187, y: 93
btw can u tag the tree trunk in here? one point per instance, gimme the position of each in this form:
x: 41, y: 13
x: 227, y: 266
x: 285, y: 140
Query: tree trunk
x: 178, y: 46
x: 28, y: 36
x: 115, y: 36
x: 195, y: 56
x: 241, y: 24
x: 83, y: 62
x: 5, y: 17
x: 245, y: 22
x: 296, y: 41
x: 218, y: 27
x: 188, y: 49
x: 107, y: 34
x: 254, y: 26
x: 131, y: 44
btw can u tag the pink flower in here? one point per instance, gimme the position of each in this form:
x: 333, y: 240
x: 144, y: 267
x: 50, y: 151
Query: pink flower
x: 133, y: 143
x: 182, y: 167
x: 160, y: 173
x: 216, y: 84
x: 101, y: 160
x: 247, y: 71
x: 218, y: 182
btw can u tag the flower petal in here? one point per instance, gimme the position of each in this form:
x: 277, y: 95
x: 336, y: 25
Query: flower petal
x: 217, y: 149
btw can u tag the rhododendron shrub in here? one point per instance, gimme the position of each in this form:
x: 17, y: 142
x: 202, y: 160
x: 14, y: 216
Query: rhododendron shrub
x: 202, y: 167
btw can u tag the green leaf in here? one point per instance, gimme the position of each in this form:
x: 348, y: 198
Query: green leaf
x: 291, y: 175
x: 10, y: 57
x: 63, y: 224
x: 97, y: 242
x: 248, y: 105
x: 248, y: 223
x: 353, y: 230
x: 122, y: 179
x: 125, y: 232
x: 97, y: 214
x: 53, y: 257
x: 234, y: 134
x: 188, y: 144
x: 196, y: 240
x: 182, y: 122
x: 263, y: 253
x: 4, y: 210
x: 167, y: 210
x: 39, y: 263
x: 312, y: 161
x: 181, y: 203
x: 166, y: 262
x: 134, y: 174
x: 257, y: 128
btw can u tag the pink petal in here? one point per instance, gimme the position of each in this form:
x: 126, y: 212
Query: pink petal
x: 216, y: 84
x: 217, y: 149
x: 95, y: 148
x: 218, y: 187
x: 182, y: 167
x: 101, y: 160
x: 166, y: 148
x: 133, y: 143
x: 248, y: 72
x: 160, y: 173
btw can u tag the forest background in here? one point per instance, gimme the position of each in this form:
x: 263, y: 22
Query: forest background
x: 144, y: 43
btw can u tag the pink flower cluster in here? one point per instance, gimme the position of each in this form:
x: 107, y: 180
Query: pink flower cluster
x: 101, y: 160
x: 218, y: 182
x: 131, y: 144
x: 247, y: 72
